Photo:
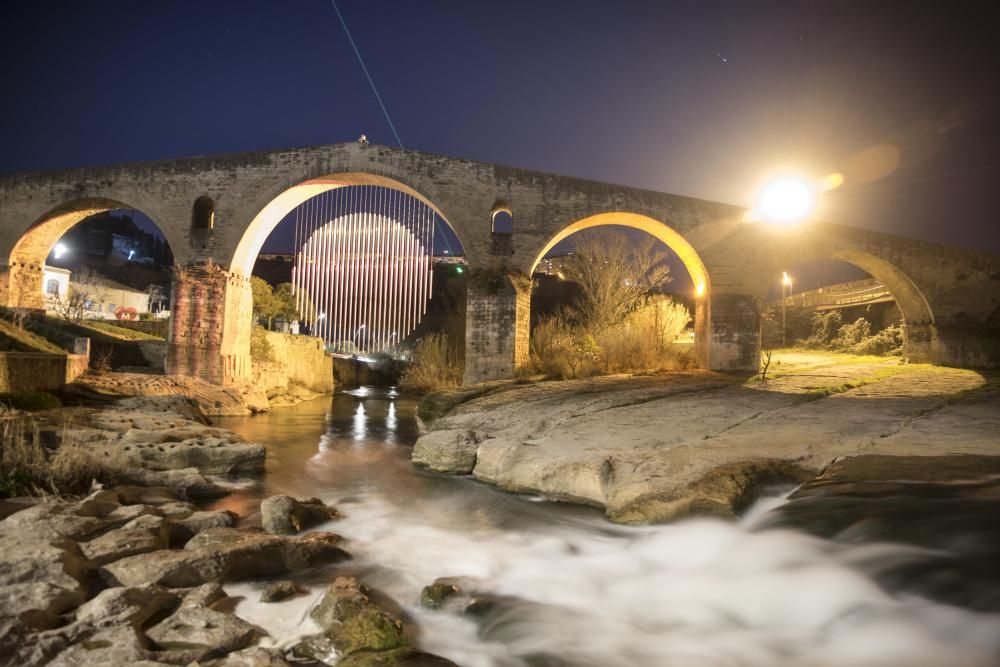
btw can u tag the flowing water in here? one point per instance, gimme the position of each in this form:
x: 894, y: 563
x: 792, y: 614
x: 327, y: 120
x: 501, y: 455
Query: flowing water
x: 558, y: 585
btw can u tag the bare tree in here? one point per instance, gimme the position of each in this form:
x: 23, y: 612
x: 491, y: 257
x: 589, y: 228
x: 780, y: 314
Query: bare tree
x: 86, y: 291
x: 617, y: 274
x: 156, y: 296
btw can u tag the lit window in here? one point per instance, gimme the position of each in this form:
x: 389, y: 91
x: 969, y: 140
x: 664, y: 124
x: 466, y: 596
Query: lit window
x: 52, y: 287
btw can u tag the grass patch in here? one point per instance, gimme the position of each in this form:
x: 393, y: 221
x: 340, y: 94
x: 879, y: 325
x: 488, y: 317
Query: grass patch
x: 877, y: 375
x: 121, y: 333
x: 29, y: 468
x: 13, y: 339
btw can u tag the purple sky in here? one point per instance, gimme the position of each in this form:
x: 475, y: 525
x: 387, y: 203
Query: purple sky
x: 699, y: 98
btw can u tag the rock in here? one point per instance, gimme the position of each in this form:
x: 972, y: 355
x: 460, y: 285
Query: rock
x: 254, y: 656
x: 284, y: 515
x: 184, y: 433
x: 127, y: 513
x: 142, y: 537
x: 449, y: 451
x: 99, y: 504
x: 180, y: 406
x: 227, y: 554
x: 41, y: 575
x: 199, y: 521
x: 9, y: 506
x: 184, y: 483
x: 278, y: 591
x: 434, y: 596
x: 722, y: 491
x: 208, y: 455
x: 118, y: 645
x: 352, y: 622
x: 198, y: 633
x: 203, y: 596
x: 119, y: 606
x: 145, y: 495
x: 401, y: 657
x: 54, y: 519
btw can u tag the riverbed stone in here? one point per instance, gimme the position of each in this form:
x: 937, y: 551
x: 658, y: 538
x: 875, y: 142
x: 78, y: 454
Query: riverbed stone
x: 198, y: 633
x: 203, y: 596
x: 199, y: 521
x: 117, y: 645
x: 41, y: 576
x: 451, y: 451
x: 353, y: 622
x: 141, y: 538
x: 184, y: 483
x: 227, y: 554
x: 279, y: 590
x: 435, y: 595
x: 254, y: 656
x: 122, y: 605
x: 284, y: 515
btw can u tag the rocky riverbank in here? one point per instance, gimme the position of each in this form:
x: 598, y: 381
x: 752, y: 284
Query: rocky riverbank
x: 134, y: 574
x: 656, y: 448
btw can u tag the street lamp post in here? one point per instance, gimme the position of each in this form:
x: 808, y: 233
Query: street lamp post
x: 786, y: 281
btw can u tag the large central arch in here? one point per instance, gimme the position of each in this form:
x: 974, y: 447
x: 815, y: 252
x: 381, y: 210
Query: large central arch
x: 264, y: 222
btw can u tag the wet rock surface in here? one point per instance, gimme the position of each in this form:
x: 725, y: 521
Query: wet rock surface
x: 657, y: 448
x: 943, y: 506
x: 284, y: 515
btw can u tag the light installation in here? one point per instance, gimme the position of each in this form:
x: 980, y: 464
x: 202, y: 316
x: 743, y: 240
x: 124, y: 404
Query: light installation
x: 362, y: 269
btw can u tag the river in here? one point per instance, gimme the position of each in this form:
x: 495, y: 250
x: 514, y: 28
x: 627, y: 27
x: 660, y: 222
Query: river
x: 568, y: 588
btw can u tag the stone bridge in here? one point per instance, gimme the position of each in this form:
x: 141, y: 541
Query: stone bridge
x: 216, y: 212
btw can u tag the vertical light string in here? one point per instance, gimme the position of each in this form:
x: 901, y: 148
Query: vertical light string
x: 363, y: 257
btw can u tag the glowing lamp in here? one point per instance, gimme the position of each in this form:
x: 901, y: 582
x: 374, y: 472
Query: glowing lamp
x: 786, y: 200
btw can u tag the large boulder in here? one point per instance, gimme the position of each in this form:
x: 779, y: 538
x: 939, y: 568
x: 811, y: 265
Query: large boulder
x: 117, y: 645
x: 450, y: 451
x: 143, y: 535
x: 284, y: 515
x: 227, y: 554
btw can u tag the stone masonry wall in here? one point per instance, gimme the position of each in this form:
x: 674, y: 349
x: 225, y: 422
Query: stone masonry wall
x: 39, y: 371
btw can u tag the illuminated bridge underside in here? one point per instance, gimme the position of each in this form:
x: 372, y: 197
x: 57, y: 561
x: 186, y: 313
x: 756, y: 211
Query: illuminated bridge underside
x: 362, y: 278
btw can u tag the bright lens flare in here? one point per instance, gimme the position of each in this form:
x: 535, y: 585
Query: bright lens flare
x: 786, y: 200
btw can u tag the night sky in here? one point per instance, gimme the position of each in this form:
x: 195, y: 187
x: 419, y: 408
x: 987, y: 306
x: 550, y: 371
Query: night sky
x: 699, y: 98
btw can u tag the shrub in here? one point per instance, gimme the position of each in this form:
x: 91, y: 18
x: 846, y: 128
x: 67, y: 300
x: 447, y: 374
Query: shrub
x: 888, y: 341
x: 561, y: 350
x: 824, y: 328
x: 852, y: 334
x: 31, y: 401
x: 645, y: 340
x: 436, y: 365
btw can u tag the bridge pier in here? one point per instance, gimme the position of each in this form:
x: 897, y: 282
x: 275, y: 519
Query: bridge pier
x: 210, y: 324
x: 497, y: 325
x: 21, y: 285
x: 733, y: 340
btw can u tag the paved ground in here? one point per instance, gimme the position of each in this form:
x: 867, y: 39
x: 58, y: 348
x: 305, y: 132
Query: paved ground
x: 658, y: 447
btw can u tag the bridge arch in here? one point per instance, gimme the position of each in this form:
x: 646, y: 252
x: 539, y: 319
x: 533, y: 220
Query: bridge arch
x: 687, y: 254
x: 30, y: 251
x: 919, y: 321
x: 288, y: 198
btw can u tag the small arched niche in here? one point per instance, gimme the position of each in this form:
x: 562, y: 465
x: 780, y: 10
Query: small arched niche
x: 203, y: 214
x: 502, y: 221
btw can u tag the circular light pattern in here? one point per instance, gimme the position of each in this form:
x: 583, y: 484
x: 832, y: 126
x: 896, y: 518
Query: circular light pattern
x: 786, y: 200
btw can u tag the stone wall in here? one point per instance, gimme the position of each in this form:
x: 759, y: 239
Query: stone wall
x: 39, y: 371
x: 296, y: 360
